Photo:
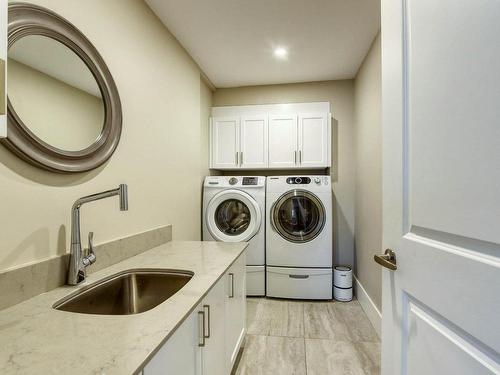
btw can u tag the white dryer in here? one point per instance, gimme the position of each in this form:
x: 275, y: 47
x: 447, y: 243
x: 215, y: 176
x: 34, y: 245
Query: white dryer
x: 234, y: 211
x: 299, y: 247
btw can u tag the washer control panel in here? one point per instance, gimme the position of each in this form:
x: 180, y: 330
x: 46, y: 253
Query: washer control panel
x: 250, y: 181
x: 298, y: 180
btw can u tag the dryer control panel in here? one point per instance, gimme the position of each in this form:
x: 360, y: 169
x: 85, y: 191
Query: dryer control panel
x: 298, y: 180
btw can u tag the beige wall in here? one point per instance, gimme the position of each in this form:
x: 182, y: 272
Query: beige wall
x: 58, y: 113
x: 161, y: 156
x: 340, y: 95
x: 368, y: 142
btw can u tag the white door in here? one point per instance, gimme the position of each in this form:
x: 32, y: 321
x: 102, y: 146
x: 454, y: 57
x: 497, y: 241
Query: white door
x: 235, y: 310
x: 313, y: 140
x: 3, y: 56
x: 213, y: 353
x: 441, y: 111
x: 225, y: 142
x: 253, y: 141
x: 283, y: 147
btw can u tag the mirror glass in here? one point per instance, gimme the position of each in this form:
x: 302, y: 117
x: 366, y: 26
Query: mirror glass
x: 54, y: 93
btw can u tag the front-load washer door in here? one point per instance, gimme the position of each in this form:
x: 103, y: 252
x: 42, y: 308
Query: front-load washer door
x: 233, y: 216
x: 298, y: 216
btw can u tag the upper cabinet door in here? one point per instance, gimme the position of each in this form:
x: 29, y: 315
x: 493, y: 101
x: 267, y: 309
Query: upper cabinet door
x: 253, y: 141
x: 282, y: 141
x: 313, y: 140
x: 225, y: 142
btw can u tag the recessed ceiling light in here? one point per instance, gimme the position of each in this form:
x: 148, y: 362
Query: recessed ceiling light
x: 280, y: 53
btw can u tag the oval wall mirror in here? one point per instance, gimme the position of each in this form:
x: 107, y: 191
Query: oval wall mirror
x: 64, y: 111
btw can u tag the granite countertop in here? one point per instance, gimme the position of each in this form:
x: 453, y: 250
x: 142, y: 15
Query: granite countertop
x: 36, y: 339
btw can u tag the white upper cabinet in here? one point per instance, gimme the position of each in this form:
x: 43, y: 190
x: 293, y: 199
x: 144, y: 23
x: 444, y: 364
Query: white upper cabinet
x: 313, y: 140
x: 253, y: 142
x: 283, y: 145
x: 273, y: 136
x: 225, y: 142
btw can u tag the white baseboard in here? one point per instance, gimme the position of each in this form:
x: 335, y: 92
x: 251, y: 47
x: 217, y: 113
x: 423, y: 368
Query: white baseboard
x: 370, y: 309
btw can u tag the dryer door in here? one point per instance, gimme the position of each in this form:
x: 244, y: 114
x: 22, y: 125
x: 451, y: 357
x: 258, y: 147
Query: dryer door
x: 233, y: 216
x: 298, y: 216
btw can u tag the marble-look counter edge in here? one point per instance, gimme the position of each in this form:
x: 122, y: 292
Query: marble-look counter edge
x: 138, y: 337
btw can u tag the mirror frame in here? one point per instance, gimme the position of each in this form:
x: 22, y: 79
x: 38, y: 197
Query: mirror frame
x: 28, y: 19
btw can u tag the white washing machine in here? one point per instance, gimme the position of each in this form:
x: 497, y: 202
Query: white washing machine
x: 234, y: 211
x: 299, y: 248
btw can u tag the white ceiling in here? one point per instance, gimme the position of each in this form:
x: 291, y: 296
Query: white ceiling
x: 233, y: 40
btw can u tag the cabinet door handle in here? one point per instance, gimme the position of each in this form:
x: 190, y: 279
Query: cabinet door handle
x: 237, y: 160
x: 207, y: 309
x: 300, y: 156
x: 241, y: 158
x: 231, y: 294
x: 201, y: 328
x: 295, y: 157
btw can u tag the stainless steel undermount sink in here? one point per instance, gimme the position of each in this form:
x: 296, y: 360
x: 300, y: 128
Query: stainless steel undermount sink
x: 128, y: 292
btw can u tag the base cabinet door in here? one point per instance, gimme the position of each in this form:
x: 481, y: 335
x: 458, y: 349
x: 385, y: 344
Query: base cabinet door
x: 213, y: 353
x: 235, y: 310
x: 181, y: 353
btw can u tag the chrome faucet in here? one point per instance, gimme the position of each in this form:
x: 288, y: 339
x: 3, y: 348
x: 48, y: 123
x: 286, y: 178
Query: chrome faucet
x: 78, y: 260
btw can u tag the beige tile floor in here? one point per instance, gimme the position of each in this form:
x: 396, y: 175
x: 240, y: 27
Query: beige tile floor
x: 308, y: 338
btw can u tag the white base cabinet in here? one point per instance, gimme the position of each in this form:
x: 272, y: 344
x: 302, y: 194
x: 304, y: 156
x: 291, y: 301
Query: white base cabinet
x: 208, y: 341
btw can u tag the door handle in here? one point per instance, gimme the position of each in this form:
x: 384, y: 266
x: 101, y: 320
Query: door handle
x: 207, y: 308
x: 387, y: 260
x: 231, y: 294
x: 295, y: 157
x: 201, y: 328
x: 241, y: 158
x: 300, y: 156
x: 237, y: 160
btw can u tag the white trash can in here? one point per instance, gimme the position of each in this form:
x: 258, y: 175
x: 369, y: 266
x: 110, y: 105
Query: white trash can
x: 342, y: 283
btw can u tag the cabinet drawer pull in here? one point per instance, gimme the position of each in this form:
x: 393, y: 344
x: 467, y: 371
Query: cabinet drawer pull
x: 207, y: 309
x: 201, y: 328
x: 298, y: 276
x: 231, y: 294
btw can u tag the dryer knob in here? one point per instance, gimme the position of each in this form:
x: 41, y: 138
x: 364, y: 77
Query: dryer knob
x: 317, y: 181
x: 233, y: 181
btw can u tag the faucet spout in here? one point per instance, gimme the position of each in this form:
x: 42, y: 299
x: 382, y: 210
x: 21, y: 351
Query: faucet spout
x: 77, y: 273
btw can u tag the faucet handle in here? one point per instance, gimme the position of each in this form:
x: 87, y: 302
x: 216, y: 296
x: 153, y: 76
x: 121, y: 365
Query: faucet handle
x: 91, y: 257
